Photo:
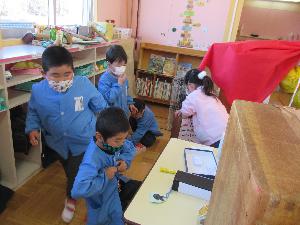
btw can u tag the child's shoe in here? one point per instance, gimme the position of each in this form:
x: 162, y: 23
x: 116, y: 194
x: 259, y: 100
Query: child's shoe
x: 69, y: 210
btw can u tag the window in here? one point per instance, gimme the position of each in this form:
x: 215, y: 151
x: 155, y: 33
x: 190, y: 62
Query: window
x: 24, y: 11
x: 51, y: 12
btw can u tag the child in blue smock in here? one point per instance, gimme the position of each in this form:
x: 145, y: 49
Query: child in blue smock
x: 113, y: 84
x: 97, y: 180
x: 63, y: 107
x: 144, y: 125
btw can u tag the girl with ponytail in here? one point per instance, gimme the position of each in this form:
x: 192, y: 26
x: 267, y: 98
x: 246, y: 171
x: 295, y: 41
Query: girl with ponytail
x: 208, y: 113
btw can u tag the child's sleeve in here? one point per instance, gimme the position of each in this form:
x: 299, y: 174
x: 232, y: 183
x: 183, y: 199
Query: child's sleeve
x: 142, y: 127
x: 187, y: 108
x: 90, y: 179
x: 33, y: 121
x: 127, y: 153
x: 97, y: 103
x: 129, y: 98
x: 110, y: 91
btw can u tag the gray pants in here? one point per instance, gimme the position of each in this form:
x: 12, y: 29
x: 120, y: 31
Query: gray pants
x: 71, y: 166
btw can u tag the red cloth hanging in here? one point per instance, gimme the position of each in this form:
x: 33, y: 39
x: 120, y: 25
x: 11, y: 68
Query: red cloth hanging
x: 250, y: 70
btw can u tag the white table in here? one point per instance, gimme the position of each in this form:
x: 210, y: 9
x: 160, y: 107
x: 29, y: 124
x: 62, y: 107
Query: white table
x: 179, y: 209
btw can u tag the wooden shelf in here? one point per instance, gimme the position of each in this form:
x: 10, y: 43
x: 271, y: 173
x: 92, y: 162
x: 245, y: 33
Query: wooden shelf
x: 175, y: 50
x: 16, y: 98
x: 3, y: 110
x: 82, y: 62
x: 150, y: 99
x: 100, y: 58
x: 101, y: 53
x: 156, y: 74
x: 19, y: 79
x: 180, y: 55
x: 25, y: 170
x: 96, y: 74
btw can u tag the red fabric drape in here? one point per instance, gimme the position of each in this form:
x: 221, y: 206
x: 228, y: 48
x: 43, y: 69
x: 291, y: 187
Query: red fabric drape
x: 250, y: 70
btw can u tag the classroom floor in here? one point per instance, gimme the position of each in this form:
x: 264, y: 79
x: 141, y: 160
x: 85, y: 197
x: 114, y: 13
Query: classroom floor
x: 40, y: 201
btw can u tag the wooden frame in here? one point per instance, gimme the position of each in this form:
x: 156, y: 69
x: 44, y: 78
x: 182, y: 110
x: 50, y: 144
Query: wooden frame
x: 233, y: 20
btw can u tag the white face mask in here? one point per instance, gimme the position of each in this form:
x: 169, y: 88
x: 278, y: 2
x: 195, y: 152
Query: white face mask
x: 60, y: 86
x: 120, y: 70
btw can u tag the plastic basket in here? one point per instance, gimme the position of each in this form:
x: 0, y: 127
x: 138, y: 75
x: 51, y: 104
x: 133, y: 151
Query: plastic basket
x: 85, y: 70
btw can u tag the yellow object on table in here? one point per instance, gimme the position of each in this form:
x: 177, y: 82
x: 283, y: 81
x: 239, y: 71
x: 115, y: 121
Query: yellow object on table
x: 166, y: 170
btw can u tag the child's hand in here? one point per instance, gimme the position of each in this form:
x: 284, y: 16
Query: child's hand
x: 34, y: 136
x: 178, y: 113
x: 122, y: 79
x: 122, y: 166
x: 110, y: 172
x: 133, y: 109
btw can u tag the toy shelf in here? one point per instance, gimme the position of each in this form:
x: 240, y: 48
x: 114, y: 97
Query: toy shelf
x: 16, y: 168
x: 101, y: 53
x: 84, y: 57
x: 16, y: 98
x: 22, y: 79
x: 179, y: 55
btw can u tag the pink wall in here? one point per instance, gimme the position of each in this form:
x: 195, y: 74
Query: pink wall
x: 269, y: 23
x: 158, y: 17
x: 113, y: 10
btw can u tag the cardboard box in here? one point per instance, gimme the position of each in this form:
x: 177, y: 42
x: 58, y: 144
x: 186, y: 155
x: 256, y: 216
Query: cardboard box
x: 258, y: 176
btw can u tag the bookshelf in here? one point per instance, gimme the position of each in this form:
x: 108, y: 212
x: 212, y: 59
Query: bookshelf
x: 156, y: 86
x: 16, y: 168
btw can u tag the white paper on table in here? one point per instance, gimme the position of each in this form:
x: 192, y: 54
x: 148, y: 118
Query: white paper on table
x: 194, y: 191
x: 200, y: 161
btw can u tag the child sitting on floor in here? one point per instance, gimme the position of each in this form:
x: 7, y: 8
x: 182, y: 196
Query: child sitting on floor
x: 143, y: 124
x: 97, y: 180
x: 209, y: 115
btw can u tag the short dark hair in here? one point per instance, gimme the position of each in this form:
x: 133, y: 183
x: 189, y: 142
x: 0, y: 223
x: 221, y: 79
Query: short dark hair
x: 139, y: 104
x: 116, y: 53
x: 56, y: 56
x: 112, y: 121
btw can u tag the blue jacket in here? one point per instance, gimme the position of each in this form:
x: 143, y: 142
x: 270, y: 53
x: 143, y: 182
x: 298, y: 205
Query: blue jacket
x: 114, y: 93
x: 146, y: 123
x: 101, y: 194
x: 66, y: 129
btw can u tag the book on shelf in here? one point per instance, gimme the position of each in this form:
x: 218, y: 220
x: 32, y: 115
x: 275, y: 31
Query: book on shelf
x: 183, y: 68
x: 169, y: 67
x: 162, y: 90
x: 144, y: 86
x: 156, y: 64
